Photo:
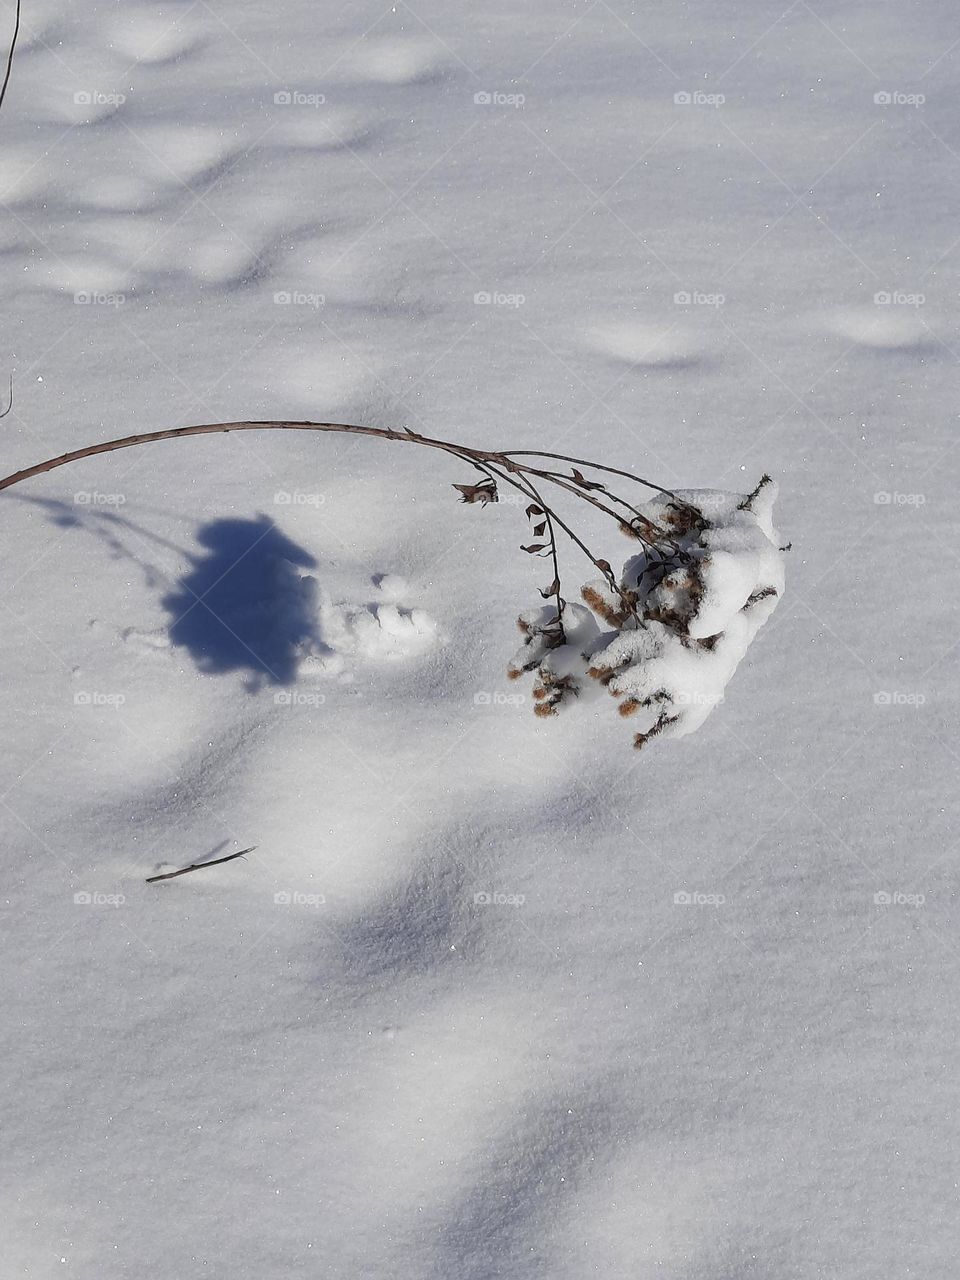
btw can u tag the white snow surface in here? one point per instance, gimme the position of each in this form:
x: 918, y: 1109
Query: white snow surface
x: 495, y: 995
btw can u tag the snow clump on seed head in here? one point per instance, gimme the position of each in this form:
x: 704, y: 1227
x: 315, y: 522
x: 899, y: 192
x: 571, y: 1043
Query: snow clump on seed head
x: 667, y: 635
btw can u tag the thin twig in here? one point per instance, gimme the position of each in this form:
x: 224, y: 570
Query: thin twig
x: 549, y: 516
x: 565, y: 482
x: 4, y: 412
x: 581, y: 462
x: 654, y: 532
x: 13, y: 45
x: 198, y: 866
x: 747, y: 503
x: 530, y: 490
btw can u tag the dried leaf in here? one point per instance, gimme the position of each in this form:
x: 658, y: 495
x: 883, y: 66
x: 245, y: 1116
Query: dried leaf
x: 538, y: 529
x: 534, y: 547
x: 552, y: 590
x: 583, y: 482
x: 534, y: 510
x: 484, y: 492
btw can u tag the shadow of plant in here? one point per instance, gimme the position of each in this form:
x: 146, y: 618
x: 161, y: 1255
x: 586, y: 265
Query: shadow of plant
x: 244, y: 605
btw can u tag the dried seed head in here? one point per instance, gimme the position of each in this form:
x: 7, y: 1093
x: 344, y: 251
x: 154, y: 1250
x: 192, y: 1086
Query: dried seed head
x: 757, y: 596
x: 550, y: 691
x: 663, y: 720
x: 613, y: 610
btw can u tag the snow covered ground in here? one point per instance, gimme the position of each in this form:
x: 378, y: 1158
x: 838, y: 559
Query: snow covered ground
x: 495, y: 996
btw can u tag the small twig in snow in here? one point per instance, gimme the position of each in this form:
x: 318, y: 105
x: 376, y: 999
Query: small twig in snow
x: 197, y: 866
x: 747, y: 503
x: 13, y: 45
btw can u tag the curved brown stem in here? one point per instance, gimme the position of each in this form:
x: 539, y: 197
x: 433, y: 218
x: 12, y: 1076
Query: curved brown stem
x: 572, y: 487
x: 581, y: 462
x: 496, y: 465
x: 209, y: 428
x: 527, y: 488
x: 645, y: 521
x: 548, y: 515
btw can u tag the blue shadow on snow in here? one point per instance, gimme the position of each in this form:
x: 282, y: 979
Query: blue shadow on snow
x: 244, y: 606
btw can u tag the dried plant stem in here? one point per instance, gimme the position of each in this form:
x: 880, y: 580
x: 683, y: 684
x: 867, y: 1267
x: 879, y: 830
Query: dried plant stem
x: 657, y: 535
x: 504, y: 459
x: 581, y: 462
x: 526, y: 487
x: 198, y: 866
x: 495, y: 465
x: 13, y: 45
x: 175, y: 433
x: 550, y: 517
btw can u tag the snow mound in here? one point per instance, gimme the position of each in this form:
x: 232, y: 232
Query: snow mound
x: 681, y: 615
x: 378, y: 630
x: 383, y: 629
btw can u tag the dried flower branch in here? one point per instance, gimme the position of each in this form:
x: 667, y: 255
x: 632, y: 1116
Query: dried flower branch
x: 681, y: 613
